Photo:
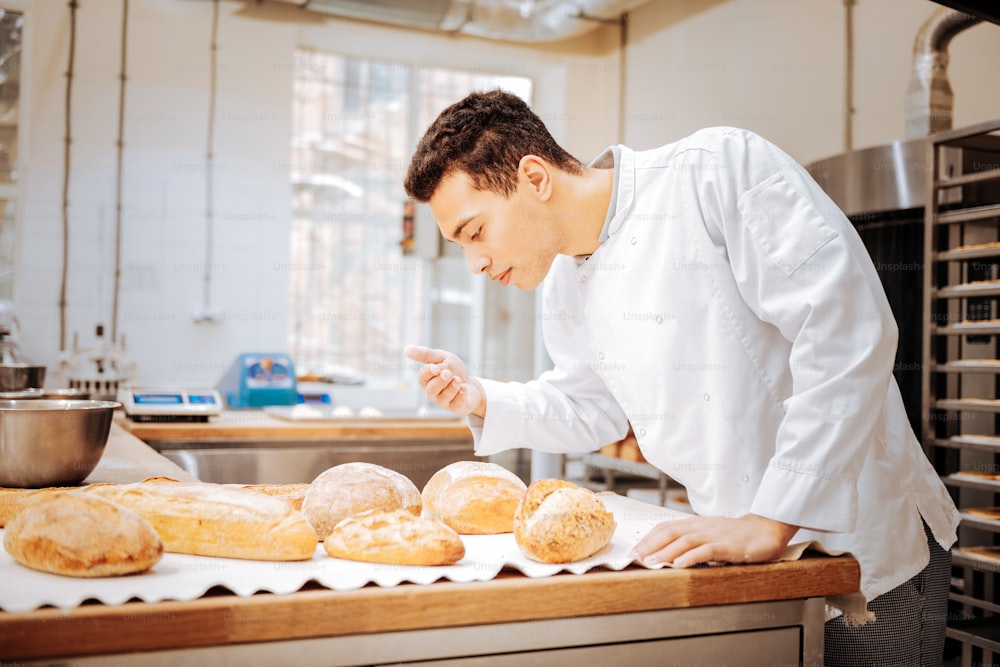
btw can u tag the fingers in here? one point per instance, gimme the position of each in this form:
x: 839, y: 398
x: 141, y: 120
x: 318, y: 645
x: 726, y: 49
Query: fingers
x: 689, y: 542
x: 424, y: 355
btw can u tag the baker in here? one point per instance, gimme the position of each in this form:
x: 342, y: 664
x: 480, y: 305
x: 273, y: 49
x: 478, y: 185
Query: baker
x: 710, y: 296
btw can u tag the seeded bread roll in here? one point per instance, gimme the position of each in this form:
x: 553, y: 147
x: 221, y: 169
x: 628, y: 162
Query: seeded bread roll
x: 212, y: 520
x: 396, y: 538
x: 474, y: 498
x: 560, y: 522
x: 81, y: 535
x: 352, y: 488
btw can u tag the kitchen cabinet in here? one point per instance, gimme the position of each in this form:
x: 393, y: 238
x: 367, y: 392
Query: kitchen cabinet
x: 961, y: 369
x: 763, y: 614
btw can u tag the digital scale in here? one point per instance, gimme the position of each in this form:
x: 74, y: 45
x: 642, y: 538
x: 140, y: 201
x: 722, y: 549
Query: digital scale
x: 148, y: 404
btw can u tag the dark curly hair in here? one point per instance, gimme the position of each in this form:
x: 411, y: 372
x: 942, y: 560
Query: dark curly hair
x: 485, y: 135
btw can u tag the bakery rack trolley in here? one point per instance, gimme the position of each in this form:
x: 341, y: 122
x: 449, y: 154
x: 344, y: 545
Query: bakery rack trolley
x: 961, y: 368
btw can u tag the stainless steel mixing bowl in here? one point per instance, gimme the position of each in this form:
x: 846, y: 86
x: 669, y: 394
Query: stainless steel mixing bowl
x: 52, y: 442
x: 15, y: 377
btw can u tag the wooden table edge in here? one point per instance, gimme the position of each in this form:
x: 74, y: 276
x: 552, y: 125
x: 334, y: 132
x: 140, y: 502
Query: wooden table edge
x: 221, y: 619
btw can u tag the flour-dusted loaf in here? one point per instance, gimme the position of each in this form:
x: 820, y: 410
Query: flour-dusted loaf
x: 560, y: 522
x: 212, y: 520
x: 295, y: 492
x: 474, y: 497
x: 13, y: 500
x: 396, y: 537
x: 349, y: 489
x: 81, y: 535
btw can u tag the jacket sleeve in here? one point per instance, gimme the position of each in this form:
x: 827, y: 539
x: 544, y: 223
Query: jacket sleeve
x: 567, y: 409
x: 801, y: 267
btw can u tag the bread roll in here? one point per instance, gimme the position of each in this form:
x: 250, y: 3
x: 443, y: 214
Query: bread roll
x: 474, y: 498
x: 13, y: 500
x: 560, y: 522
x: 81, y: 535
x: 352, y: 488
x: 395, y: 537
x: 211, y: 520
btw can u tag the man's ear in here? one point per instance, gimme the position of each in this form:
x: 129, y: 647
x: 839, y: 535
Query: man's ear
x: 536, y: 174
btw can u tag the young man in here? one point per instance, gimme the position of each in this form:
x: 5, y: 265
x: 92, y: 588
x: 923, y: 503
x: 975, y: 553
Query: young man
x: 708, y: 294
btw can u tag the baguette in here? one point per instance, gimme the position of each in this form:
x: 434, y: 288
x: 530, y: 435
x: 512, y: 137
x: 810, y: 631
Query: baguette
x: 211, y: 520
x: 474, y: 498
x: 396, y: 538
x: 81, y: 535
x: 296, y: 493
x: 560, y: 522
x: 354, y: 488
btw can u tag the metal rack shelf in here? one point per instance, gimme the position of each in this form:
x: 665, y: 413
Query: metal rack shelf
x: 960, y: 376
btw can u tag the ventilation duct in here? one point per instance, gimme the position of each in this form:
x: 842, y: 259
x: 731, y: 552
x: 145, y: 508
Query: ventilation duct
x: 929, y: 99
x: 509, y: 20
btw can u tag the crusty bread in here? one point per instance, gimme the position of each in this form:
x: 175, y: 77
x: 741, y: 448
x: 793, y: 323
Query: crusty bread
x: 396, y: 537
x: 352, y: 488
x: 296, y: 493
x: 211, y: 520
x: 13, y: 500
x: 473, y: 497
x: 560, y: 522
x: 81, y: 535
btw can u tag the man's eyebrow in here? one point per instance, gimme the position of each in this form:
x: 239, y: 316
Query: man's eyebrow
x: 461, y: 225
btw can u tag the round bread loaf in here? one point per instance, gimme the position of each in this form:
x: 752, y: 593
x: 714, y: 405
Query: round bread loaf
x: 352, y: 488
x: 82, y: 535
x: 473, y: 497
x: 560, y: 522
x: 397, y: 538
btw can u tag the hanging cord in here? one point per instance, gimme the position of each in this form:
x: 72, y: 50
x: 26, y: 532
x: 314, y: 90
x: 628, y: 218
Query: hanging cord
x: 73, y: 4
x: 209, y: 213
x: 622, y: 73
x: 120, y: 144
x: 849, y: 75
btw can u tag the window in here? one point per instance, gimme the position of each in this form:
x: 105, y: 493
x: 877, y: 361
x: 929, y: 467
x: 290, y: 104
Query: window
x: 357, y: 296
x: 11, y: 24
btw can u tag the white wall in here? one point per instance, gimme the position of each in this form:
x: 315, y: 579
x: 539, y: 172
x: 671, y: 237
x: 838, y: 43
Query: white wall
x: 777, y: 67
x: 164, y: 191
x: 774, y: 66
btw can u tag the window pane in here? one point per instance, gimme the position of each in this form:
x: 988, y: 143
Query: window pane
x: 356, y: 298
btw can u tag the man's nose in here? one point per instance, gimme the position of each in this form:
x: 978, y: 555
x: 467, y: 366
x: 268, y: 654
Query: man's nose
x: 478, y: 263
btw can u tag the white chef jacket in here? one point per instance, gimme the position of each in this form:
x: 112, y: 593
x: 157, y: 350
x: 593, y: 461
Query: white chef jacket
x: 734, y: 318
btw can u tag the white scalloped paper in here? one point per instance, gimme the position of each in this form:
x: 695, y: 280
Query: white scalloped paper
x: 182, y: 577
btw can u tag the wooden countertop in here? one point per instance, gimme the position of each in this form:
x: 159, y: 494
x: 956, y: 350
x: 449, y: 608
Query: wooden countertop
x: 220, y: 619
x: 258, y: 425
x: 127, y: 459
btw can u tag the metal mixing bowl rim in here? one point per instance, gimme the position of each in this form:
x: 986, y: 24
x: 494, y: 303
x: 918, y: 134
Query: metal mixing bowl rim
x: 55, y: 405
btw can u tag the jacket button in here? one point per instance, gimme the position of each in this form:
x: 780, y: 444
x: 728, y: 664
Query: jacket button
x: 600, y: 355
x: 634, y: 241
x: 583, y: 279
x: 642, y: 432
x: 706, y: 397
x: 745, y: 478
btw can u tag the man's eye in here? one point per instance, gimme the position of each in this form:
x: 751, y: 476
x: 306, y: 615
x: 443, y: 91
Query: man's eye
x: 475, y: 237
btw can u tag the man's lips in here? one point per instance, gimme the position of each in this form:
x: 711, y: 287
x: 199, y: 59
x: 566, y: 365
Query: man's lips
x: 504, y: 277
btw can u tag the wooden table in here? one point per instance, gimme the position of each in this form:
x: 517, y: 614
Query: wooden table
x: 766, y: 613
x: 751, y: 614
